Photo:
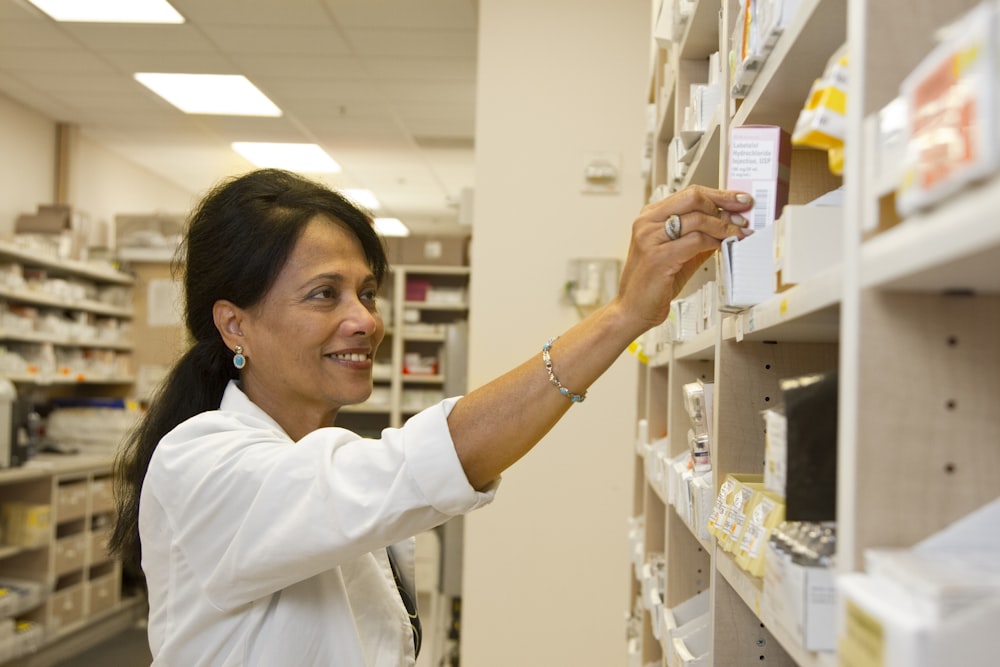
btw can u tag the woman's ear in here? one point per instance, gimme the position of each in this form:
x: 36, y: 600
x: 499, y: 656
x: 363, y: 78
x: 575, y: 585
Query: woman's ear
x: 228, y: 320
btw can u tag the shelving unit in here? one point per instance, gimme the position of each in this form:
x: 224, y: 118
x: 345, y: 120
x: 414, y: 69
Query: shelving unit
x: 78, y: 345
x: 908, y: 318
x: 432, y: 328
x: 79, y: 600
x: 83, y: 352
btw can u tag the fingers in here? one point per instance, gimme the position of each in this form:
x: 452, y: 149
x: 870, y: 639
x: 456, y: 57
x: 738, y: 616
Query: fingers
x: 718, y: 224
x: 699, y: 210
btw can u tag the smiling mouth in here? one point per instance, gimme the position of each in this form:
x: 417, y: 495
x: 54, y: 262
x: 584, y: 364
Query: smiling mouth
x: 350, y: 357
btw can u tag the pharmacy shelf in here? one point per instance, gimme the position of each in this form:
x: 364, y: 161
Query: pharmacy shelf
x: 750, y: 589
x: 39, y: 298
x: 101, y: 272
x: 952, y: 247
x: 797, y: 59
x: 809, y: 312
x: 701, y: 33
x: 63, y: 341
x: 60, y: 380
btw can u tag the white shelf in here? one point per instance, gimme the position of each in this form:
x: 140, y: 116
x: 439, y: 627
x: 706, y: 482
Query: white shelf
x: 750, y: 589
x: 954, y: 246
x: 430, y: 305
x: 797, y: 59
x: 62, y: 341
x: 97, y: 271
x: 42, y: 381
x: 808, y: 312
x: 38, y: 298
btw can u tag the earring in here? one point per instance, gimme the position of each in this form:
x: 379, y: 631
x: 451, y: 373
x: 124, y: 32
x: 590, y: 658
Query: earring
x: 238, y: 359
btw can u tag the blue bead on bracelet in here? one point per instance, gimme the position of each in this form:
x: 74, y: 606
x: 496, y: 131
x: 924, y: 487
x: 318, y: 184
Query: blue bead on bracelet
x: 576, y: 398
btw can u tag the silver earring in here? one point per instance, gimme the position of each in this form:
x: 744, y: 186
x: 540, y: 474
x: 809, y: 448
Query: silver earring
x: 238, y: 359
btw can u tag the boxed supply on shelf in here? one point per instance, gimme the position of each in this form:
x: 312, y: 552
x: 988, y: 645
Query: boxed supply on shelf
x: 799, y: 598
x: 746, y: 270
x: 935, y: 604
x: 434, y: 250
x: 952, y: 127
x: 19, y: 595
x: 55, y: 230
x: 810, y: 405
x: 807, y: 240
x: 757, y: 28
x: 690, y: 646
x: 766, y: 511
x: 27, y: 524
x: 729, y: 511
x: 693, y: 610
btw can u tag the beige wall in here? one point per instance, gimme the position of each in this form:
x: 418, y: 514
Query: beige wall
x: 101, y: 183
x: 27, y: 162
x: 546, y: 568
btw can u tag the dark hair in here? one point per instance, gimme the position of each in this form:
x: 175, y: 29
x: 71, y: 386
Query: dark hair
x: 237, y: 241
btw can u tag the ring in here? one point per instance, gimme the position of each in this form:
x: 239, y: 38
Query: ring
x: 672, y: 226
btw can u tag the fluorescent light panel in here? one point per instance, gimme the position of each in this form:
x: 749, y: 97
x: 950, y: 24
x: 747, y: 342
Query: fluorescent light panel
x: 391, y: 227
x: 362, y: 197
x: 221, y: 94
x: 110, y: 11
x: 294, y: 157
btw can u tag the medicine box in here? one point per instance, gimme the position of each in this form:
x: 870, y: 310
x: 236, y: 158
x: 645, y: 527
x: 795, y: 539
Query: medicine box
x: 807, y: 240
x: 800, y: 599
x: 760, y: 158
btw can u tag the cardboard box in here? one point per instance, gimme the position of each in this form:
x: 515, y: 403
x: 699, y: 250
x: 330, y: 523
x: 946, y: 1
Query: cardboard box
x: 760, y: 158
x: 808, y: 239
x: 434, y: 250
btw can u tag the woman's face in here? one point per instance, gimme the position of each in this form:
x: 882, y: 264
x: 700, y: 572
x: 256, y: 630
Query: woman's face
x: 310, y: 343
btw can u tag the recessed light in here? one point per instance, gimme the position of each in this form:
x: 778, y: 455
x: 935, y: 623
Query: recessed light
x: 110, y: 11
x: 222, y: 94
x: 391, y: 227
x: 294, y: 157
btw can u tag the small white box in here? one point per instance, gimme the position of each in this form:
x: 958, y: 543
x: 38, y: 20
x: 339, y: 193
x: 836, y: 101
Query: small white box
x: 677, y: 617
x: 808, y: 239
x: 689, y: 647
x: 801, y: 600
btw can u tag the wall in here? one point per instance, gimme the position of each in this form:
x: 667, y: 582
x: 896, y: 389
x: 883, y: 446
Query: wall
x: 27, y: 162
x: 546, y: 567
x: 102, y: 184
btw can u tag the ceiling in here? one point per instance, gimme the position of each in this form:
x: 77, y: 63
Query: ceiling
x: 387, y: 87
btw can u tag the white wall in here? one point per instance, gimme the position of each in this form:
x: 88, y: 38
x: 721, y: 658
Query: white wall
x: 546, y: 567
x: 102, y: 184
x: 27, y: 162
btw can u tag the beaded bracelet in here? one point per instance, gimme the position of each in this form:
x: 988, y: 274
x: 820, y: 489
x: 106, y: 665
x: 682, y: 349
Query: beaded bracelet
x: 576, y: 398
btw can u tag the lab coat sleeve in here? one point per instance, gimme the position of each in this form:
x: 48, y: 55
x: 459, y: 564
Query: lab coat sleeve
x: 253, y: 512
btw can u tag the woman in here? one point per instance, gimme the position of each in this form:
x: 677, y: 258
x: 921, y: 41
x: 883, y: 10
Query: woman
x: 270, y: 537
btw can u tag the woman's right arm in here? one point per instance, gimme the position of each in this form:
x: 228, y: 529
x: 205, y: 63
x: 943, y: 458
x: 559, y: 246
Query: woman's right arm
x: 497, y: 424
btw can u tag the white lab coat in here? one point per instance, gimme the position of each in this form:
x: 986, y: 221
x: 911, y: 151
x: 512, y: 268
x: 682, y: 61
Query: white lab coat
x: 263, y: 552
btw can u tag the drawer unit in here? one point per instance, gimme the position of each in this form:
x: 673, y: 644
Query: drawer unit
x: 70, y: 552
x: 66, y: 607
x: 71, y: 501
x: 98, y: 547
x: 101, y: 496
x: 103, y: 593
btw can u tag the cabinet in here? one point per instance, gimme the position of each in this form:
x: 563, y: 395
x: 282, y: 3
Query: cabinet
x: 907, y: 318
x: 60, y: 583
x: 65, y: 334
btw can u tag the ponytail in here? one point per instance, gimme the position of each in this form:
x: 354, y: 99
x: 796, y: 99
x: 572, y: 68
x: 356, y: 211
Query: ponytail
x: 195, y: 384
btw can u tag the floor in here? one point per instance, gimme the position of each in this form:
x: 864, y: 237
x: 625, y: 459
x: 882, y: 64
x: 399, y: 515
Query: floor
x: 128, y: 649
